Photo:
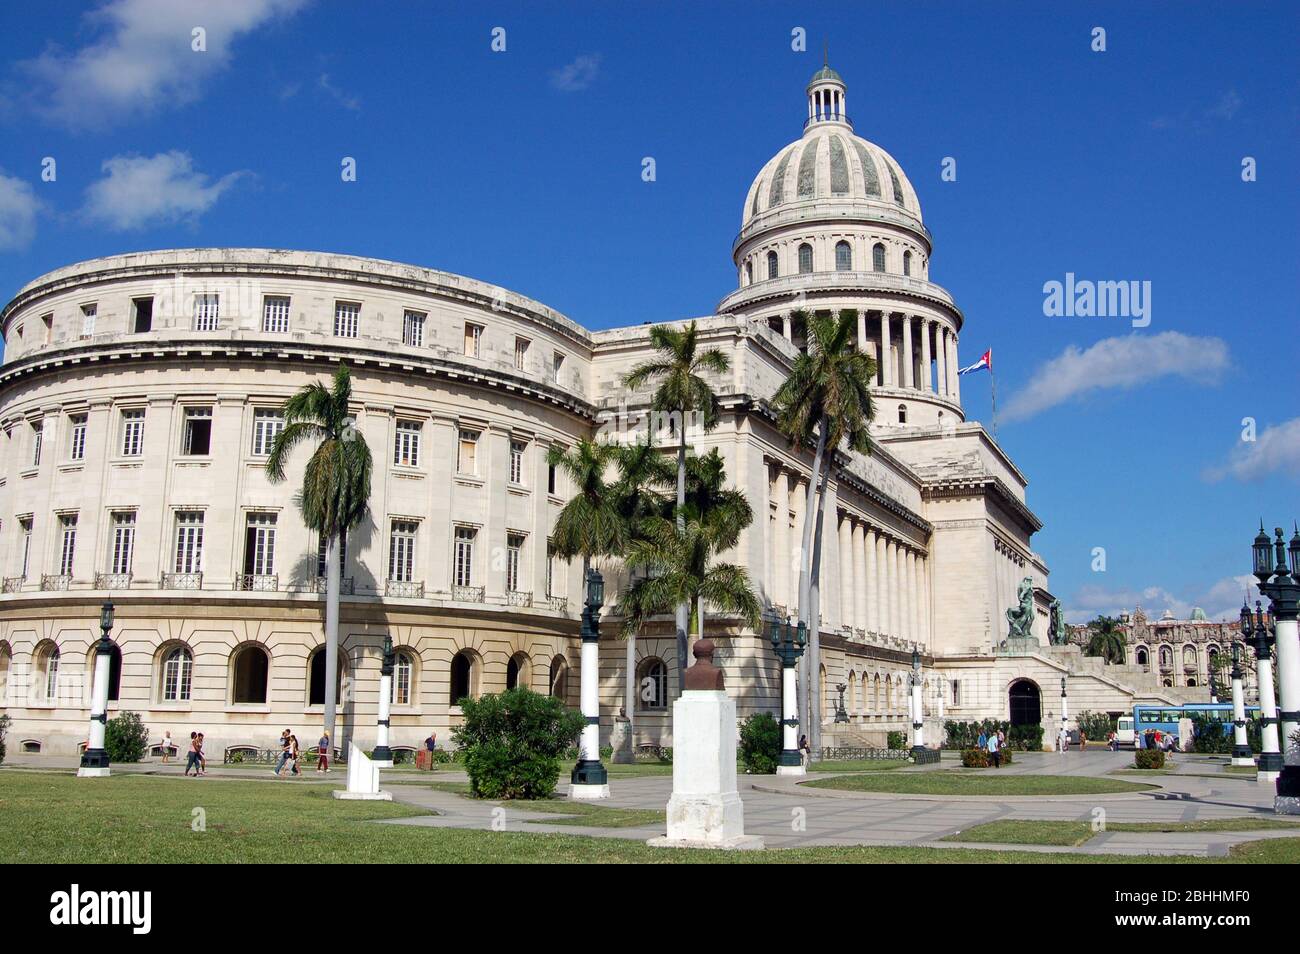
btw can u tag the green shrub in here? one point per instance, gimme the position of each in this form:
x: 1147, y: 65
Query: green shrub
x: 4, y: 729
x: 760, y: 743
x: 125, y: 738
x: 974, y: 758
x: 440, y: 757
x: 896, y: 740
x: 1096, y: 725
x: 512, y: 743
x: 1026, y: 738
x: 1149, y: 759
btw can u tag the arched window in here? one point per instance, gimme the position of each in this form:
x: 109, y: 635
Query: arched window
x: 843, y: 257
x: 878, y: 257
x: 47, y: 670
x: 464, y: 676
x: 177, y: 675
x: 907, y: 263
x: 749, y: 273
x: 773, y: 270
x: 316, y: 680
x: 1142, y: 657
x: 518, y: 671
x: 1189, y: 657
x: 852, y: 702
x: 1191, y: 682
x: 1166, y: 657
x: 114, y: 672
x: 252, y: 666
x: 403, y: 677
x: 805, y: 259
x: 560, y: 678
x: 652, y: 685
x: 902, y: 414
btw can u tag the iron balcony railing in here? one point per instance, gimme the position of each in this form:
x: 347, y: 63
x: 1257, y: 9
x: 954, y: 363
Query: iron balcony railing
x: 13, y: 584
x: 519, y: 598
x: 258, y: 582
x: 181, y: 581
x: 55, y: 581
x: 558, y: 603
x: 347, y: 585
x: 467, y: 594
x: 112, y: 581
x: 405, y: 589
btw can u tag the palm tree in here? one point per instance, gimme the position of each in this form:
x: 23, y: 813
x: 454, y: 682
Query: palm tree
x: 590, y: 525
x: 681, y: 392
x: 825, y: 401
x: 724, y: 512
x: 1106, y: 640
x: 335, y: 490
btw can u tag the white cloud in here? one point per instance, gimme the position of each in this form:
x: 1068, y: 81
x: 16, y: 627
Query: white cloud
x: 138, y: 191
x: 1118, y: 363
x: 18, y: 208
x: 578, y: 75
x: 1221, y: 600
x: 142, y: 59
x: 1274, y: 449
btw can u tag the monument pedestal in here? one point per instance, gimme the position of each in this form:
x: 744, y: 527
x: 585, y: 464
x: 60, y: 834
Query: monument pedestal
x: 705, y: 810
x: 363, y: 778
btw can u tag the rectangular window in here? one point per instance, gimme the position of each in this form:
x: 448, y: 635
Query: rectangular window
x: 196, y: 441
x: 514, y: 561
x: 259, y: 545
x: 275, y: 314
x: 401, y: 551
x: 267, y: 424
x: 956, y: 692
x: 550, y: 568
x: 406, y: 446
x: 133, y: 432
x: 322, y: 555
x: 402, y: 680
x: 189, y: 541
x: 48, y: 322
x: 521, y: 353
x: 88, y: 313
x: 207, y: 311
x: 552, y: 478
x: 77, y: 437
x: 38, y: 438
x: 142, y: 315
x: 413, y: 328
x: 347, y: 316
x: 25, y: 528
x: 67, y: 542
x: 119, y: 559
x: 558, y: 365
x: 517, y: 449
x: 463, y: 557
x: 467, y: 453
x: 473, y: 339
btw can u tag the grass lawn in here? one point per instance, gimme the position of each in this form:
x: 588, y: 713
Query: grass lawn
x: 1026, y: 832
x: 148, y: 819
x: 857, y: 765
x: 966, y: 782
x: 595, y: 816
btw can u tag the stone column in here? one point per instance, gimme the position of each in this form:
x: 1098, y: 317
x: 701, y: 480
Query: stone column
x: 940, y: 360
x: 882, y: 581
x: 891, y: 571
x: 915, y: 594
x: 886, y: 352
x: 908, y: 371
x: 871, y: 584
x: 925, y: 355
x: 859, y: 578
x: 953, y: 365
x: 848, y: 570
x: 781, y: 540
x: 786, y: 326
x: 799, y: 498
x: 862, y: 331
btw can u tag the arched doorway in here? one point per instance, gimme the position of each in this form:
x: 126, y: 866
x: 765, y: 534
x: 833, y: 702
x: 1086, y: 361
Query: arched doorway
x: 1026, y: 703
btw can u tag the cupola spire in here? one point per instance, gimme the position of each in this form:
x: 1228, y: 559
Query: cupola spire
x: 826, y: 96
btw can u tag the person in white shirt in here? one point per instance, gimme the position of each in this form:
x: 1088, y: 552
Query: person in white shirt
x: 995, y: 753
x: 1063, y: 740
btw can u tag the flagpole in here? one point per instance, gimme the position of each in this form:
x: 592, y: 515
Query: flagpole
x: 993, y: 392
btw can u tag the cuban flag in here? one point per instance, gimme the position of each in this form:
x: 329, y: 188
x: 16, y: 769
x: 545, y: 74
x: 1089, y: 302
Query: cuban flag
x: 984, y: 363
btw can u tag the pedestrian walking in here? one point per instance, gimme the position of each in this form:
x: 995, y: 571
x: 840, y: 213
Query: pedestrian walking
x: 284, y: 753
x: 192, y: 755
x: 201, y: 762
x: 293, y: 755
x: 995, y: 750
x: 166, y: 746
x: 323, y: 753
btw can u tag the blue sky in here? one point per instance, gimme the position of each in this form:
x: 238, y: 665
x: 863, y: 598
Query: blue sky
x: 523, y: 168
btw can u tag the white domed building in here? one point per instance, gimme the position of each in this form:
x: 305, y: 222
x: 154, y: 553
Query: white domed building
x: 139, y: 393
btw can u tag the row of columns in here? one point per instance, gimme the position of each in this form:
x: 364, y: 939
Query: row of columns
x: 937, y: 342
x: 826, y: 103
x: 789, y: 494
x: 884, y: 582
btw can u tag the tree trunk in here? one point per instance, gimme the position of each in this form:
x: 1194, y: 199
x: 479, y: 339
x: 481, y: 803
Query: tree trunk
x: 683, y: 608
x: 332, y: 575
x: 808, y: 673
x: 814, y: 612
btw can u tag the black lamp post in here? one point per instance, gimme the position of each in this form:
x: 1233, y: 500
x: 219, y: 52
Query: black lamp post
x: 918, y: 712
x: 1277, y: 568
x: 788, y: 642
x: 589, y: 780
x: 94, y: 761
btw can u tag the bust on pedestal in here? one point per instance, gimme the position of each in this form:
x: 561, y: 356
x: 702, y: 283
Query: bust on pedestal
x: 620, y: 739
x: 705, y: 811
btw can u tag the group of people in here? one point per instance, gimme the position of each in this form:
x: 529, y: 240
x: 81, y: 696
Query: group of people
x: 993, y: 743
x: 1156, y: 740
x: 290, y: 754
x: 1063, y: 740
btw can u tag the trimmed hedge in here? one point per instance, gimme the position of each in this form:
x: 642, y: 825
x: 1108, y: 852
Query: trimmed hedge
x: 513, y: 743
x: 1149, y: 759
x: 965, y: 735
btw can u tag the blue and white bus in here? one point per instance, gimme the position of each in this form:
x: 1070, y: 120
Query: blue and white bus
x: 1165, y: 718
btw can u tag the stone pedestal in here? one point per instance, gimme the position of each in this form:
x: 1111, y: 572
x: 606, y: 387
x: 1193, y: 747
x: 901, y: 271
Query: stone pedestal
x: 705, y: 810
x: 363, y: 778
x: 620, y: 740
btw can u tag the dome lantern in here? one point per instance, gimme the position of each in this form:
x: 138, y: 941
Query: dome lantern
x: 826, y: 97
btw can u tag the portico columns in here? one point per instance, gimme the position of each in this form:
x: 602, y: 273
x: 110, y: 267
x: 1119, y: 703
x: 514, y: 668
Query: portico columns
x: 915, y: 607
x: 908, y: 381
x: 847, y: 570
x: 941, y: 360
x: 859, y: 578
x: 781, y: 547
x: 886, y: 352
x: 787, y: 327
x: 862, y: 331
x: 925, y: 354
x: 952, y: 369
x: 882, y: 580
x: 872, y: 586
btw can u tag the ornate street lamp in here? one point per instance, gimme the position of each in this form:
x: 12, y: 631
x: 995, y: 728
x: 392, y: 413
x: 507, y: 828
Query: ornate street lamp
x: 1283, y: 591
x: 383, y: 755
x: 94, y: 761
x: 788, y: 642
x: 589, y: 780
x: 918, y: 712
x: 1065, y: 707
x: 1240, y: 749
x: 1255, y: 632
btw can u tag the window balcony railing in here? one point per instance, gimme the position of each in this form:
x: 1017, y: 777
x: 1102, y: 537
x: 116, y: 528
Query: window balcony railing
x: 347, y: 585
x: 258, y: 582
x: 181, y: 581
x: 467, y: 594
x: 112, y: 581
x: 13, y: 584
x: 519, y: 598
x: 558, y: 603
x: 405, y: 589
x: 55, y: 581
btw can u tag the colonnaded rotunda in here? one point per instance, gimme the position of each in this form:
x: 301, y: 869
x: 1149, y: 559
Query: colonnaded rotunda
x: 140, y: 393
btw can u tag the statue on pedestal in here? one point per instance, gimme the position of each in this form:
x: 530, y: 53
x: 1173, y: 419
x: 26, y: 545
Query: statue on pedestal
x: 1020, y: 618
x: 1056, y: 634
x: 620, y: 738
